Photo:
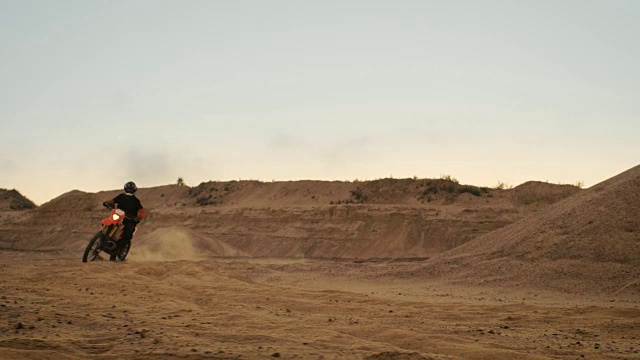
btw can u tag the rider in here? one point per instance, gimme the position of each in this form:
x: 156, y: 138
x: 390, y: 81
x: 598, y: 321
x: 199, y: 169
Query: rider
x: 132, y: 207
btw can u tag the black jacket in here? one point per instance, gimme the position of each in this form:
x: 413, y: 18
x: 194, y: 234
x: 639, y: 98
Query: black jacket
x: 129, y: 203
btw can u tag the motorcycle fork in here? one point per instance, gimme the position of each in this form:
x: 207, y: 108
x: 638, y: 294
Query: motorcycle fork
x: 118, y: 231
x: 112, y: 230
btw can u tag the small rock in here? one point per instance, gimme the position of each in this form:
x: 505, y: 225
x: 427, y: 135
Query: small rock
x: 491, y: 332
x: 69, y: 322
x: 19, y: 325
x: 505, y: 327
x: 276, y: 354
x: 596, y: 346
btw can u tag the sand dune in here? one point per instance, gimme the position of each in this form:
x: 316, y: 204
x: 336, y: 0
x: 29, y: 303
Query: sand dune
x: 587, y: 243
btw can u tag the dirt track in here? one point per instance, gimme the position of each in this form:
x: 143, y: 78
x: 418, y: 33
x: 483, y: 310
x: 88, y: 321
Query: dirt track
x: 58, y: 308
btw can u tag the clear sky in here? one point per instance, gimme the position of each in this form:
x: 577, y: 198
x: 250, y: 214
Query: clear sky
x: 95, y: 93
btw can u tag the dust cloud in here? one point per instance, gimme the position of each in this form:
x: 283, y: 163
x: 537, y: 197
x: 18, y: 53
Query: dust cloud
x: 165, y: 244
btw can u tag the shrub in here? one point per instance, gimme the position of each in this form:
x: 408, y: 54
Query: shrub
x: 469, y: 189
x: 358, y: 195
x: 449, y: 178
x: 426, y: 193
x: 503, y: 186
x: 430, y: 190
x: 450, y: 188
x: 206, y: 200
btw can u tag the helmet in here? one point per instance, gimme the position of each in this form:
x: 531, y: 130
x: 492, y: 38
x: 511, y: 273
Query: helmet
x: 130, y: 188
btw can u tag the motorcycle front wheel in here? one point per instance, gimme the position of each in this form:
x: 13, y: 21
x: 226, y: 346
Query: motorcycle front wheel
x: 92, y: 251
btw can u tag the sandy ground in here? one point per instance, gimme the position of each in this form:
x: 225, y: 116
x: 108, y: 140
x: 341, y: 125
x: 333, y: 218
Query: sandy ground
x: 55, y: 307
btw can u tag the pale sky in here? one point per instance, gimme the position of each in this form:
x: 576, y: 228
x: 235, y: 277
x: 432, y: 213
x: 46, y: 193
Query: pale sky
x: 96, y: 93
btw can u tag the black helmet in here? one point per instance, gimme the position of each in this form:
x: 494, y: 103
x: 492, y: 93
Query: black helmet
x: 130, y: 188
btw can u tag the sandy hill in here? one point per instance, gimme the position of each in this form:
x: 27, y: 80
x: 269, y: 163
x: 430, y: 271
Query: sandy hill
x: 13, y: 200
x: 536, y: 192
x: 309, y: 193
x: 386, y: 218
x: 587, y: 242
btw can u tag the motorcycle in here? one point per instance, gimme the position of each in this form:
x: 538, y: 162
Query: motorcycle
x: 106, y: 240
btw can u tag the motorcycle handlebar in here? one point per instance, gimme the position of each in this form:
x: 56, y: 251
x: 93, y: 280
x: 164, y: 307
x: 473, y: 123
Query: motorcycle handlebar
x: 111, y: 207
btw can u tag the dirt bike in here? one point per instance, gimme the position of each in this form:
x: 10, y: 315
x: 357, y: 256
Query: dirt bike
x: 106, y: 240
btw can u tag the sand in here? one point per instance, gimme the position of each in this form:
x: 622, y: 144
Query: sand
x: 54, y: 307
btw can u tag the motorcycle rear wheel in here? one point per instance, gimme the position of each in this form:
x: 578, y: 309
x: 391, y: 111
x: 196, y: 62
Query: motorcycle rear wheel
x: 92, y: 251
x: 122, y: 253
